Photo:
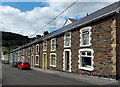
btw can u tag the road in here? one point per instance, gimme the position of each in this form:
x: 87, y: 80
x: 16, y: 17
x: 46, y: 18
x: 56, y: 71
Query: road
x: 14, y: 76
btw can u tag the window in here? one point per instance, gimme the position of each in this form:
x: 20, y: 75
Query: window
x: 37, y: 48
x: 85, y: 37
x: 45, y: 46
x: 67, y: 39
x: 53, y: 44
x: 86, y: 59
x: 53, y: 59
x: 32, y: 48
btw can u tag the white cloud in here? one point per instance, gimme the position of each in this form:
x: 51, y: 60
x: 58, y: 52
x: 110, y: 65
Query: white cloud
x: 58, y: 0
x: 26, y: 23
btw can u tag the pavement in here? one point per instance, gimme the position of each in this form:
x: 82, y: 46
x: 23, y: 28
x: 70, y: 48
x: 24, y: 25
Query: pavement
x: 93, y: 80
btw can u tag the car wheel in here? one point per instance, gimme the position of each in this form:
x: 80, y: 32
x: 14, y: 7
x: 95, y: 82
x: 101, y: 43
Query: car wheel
x: 20, y: 68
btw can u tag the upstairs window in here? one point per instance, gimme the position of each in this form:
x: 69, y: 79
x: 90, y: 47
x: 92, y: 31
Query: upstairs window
x: 37, y: 48
x: 85, y: 37
x: 45, y: 46
x: 53, y: 44
x: 67, y: 39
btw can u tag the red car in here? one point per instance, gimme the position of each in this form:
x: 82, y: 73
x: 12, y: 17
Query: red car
x: 23, y: 65
x: 2, y: 61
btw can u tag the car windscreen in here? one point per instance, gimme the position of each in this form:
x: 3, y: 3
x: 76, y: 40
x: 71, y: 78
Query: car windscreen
x: 25, y: 63
x: 19, y: 63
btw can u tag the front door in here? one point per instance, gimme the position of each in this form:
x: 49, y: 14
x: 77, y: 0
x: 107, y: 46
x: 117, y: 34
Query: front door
x: 37, y: 60
x: 32, y: 61
x: 67, y: 57
x: 44, y: 61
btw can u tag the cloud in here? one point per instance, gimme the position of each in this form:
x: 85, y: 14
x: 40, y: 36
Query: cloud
x: 26, y: 23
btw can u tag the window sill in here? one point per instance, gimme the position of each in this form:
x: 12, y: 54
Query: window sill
x: 87, y: 68
x: 67, y: 46
x: 37, y: 64
x: 85, y: 45
x: 53, y: 50
x: 52, y: 65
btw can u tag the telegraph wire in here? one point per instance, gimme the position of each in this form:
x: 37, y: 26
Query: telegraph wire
x: 54, y: 18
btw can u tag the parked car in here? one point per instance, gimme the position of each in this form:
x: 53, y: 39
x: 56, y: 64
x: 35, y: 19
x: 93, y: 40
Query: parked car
x: 2, y: 61
x: 6, y: 62
x: 15, y: 64
x: 23, y: 65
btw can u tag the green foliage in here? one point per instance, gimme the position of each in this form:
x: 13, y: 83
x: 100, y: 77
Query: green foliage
x: 11, y: 41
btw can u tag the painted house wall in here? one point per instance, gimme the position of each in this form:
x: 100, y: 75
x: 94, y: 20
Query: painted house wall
x: 41, y: 54
x: 32, y: 55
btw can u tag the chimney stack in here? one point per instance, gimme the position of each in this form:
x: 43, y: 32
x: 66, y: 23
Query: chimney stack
x: 46, y: 32
x: 38, y: 36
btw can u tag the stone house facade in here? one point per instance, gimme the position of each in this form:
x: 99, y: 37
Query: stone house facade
x: 89, y: 46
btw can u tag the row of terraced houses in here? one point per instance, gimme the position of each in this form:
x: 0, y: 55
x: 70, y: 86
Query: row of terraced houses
x: 89, y: 46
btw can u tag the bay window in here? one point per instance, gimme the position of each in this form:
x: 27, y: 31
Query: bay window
x: 86, y: 59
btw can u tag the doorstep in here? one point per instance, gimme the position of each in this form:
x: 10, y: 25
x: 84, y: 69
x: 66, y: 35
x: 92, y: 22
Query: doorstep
x: 93, y: 80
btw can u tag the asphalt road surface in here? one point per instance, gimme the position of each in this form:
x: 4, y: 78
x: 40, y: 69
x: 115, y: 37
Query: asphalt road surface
x: 14, y: 76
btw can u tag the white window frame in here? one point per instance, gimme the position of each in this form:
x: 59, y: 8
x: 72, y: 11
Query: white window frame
x: 54, y: 45
x: 37, y: 50
x: 51, y: 58
x: 81, y: 41
x: 91, y: 68
x: 38, y: 60
x: 70, y: 61
x: 44, y: 47
x: 65, y: 39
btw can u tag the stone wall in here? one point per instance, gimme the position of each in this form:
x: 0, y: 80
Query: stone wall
x: 104, y: 46
x: 103, y: 43
x: 118, y: 47
x: 41, y: 54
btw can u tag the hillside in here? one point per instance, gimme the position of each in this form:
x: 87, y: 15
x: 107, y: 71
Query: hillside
x: 11, y: 41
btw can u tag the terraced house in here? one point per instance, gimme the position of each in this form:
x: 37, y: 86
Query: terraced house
x: 89, y: 46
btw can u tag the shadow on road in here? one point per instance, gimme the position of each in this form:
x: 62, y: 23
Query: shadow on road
x: 26, y: 69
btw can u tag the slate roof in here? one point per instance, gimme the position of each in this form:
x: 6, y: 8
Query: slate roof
x: 104, y: 12
x: 73, y: 20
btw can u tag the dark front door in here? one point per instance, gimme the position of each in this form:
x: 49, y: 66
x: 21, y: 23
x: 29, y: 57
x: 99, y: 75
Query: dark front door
x: 67, y: 60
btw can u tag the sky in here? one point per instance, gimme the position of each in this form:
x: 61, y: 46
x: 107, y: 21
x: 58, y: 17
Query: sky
x: 26, y: 18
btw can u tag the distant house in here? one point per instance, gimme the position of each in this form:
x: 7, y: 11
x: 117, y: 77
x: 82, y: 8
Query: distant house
x: 69, y: 21
x: 89, y: 46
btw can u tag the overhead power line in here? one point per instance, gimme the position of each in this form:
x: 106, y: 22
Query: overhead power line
x: 54, y: 18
